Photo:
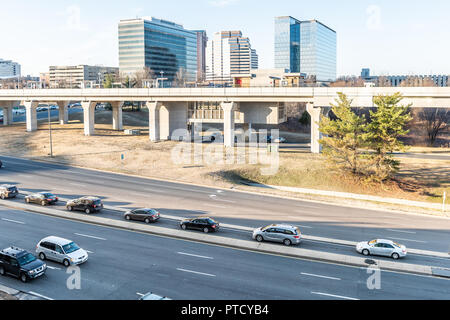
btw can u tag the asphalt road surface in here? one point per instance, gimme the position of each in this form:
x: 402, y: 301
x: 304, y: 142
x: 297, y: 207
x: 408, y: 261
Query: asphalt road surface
x: 123, y: 265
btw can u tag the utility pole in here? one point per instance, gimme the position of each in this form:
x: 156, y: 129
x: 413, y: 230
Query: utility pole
x: 50, y: 132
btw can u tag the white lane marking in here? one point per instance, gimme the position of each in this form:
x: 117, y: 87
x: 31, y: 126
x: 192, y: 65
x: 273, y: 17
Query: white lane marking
x: 214, y: 197
x: 244, y: 231
x: 409, y: 240
x: 219, y: 191
x: 394, y: 230
x: 14, y: 221
x: 333, y: 295
x: 200, y: 273
x: 77, y: 184
x: 194, y: 255
x: 319, y: 276
x: 87, y: 236
x: 299, y: 225
x: 39, y: 295
x: 140, y: 294
x: 24, y: 176
x: 215, y: 206
x: 53, y: 268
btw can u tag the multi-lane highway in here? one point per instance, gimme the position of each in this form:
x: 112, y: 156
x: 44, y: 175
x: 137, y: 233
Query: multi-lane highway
x: 124, y: 265
x: 161, y: 261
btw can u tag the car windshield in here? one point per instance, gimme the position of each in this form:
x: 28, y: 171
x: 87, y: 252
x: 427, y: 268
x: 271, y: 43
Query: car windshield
x: 12, y: 189
x: 71, y: 247
x: 26, y: 259
x: 211, y: 221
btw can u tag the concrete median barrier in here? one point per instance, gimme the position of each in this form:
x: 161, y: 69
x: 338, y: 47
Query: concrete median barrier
x: 293, y: 252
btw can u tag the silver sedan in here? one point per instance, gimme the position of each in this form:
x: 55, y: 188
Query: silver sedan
x: 380, y: 247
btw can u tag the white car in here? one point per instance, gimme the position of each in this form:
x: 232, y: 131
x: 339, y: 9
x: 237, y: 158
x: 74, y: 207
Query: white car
x: 381, y: 247
x: 61, y: 250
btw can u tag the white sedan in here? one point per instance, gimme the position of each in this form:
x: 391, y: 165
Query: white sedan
x: 380, y: 247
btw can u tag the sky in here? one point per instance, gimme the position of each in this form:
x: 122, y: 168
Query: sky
x: 389, y: 37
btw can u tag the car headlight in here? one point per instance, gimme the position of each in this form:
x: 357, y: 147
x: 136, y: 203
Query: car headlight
x: 31, y: 272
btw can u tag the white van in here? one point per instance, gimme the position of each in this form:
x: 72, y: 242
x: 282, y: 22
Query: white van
x: 61, y: 250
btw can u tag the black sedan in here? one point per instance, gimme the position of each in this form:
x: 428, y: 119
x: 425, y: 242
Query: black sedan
x: 204, y: 224
x: 145, y: 215
x: 42, y: 198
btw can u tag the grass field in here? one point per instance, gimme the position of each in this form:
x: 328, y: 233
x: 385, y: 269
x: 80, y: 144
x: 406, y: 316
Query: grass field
x: 419, y: 179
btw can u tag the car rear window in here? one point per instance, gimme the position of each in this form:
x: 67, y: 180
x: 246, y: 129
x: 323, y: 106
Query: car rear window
x: 97, y: 202
x: 211, y: 221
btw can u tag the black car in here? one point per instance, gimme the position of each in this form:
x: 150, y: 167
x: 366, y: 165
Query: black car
x: 146, y: 215
x: 8, y: 191
x: 42, y: 198
x: 204, y: 224
x: 21, y: 264
x: 86, y: 204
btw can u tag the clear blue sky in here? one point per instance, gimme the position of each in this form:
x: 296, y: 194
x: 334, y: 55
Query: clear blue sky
x: 390, y: 37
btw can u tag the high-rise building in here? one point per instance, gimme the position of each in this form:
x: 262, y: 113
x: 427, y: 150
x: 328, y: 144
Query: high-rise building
x: 318, y: 52
x: 306, y: 46
x: 255, y: 60
x: 202, y: 41
x: 228, y: 54
x: 9, y: 69
x: 163, y: 47
x: 287, y: 44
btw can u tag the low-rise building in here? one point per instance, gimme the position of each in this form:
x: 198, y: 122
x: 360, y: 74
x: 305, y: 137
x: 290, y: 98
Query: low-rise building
x: 269, y: 78
x: 80, y: 76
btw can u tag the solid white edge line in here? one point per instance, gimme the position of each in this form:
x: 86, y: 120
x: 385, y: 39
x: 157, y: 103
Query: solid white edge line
x: 332, y: 295
x: 40, y: 295
x: 194, y: 255
x: 319, y: 276
x: 394, y: 230
x: 200, y: 273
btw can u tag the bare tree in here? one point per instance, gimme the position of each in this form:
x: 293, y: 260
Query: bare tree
x: 436, y: 120
x: 180, y: 78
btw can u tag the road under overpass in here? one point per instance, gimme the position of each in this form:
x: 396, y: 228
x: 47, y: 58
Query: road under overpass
x: 172, y: 110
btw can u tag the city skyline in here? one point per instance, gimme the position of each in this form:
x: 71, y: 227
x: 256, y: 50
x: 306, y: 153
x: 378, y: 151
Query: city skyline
x: 368, y: 34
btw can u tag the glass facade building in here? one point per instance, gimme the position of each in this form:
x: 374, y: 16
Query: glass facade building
x: 162, y: 46
x: 306, y: 47
x: 318, y: 50
x: 287, y: 44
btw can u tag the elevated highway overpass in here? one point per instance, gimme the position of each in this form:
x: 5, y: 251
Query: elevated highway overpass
x: 174, y: 109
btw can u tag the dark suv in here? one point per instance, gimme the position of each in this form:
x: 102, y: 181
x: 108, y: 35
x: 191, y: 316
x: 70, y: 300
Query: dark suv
x: 203, y: 223
x: 21, y: 264
x: 86, y: 204
x: 8, y: 191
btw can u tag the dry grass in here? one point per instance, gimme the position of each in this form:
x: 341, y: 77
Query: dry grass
x: 418, y: 179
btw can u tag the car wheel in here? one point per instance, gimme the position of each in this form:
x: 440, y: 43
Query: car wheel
x: 127, y: 218
x: 43, y: 203
x: 147, y: 220
x: 366, y: 252
x: 2, y: 271
x: 42, y: 256
x: 70, y: 208
x: 206, y: 230
x: 183, y: 226
x: 88, y: 211
x: 287, y: 242
x: 3, y: 197
x: 395, y: 256
x: 66, y: 263
x: 259, y: 238
x: 23, y: 277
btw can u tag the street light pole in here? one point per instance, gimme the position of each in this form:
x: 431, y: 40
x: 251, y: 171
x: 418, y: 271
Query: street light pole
x: 50, y: 132
x: 162, y: 80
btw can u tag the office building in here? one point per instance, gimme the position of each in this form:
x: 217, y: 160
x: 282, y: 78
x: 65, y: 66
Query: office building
x: 163, y: 47
x: 80, y: 76
x: 229, y: 54
x: 306, y: 46
x: 255, y: 60
x: 9, y: 69
x: 202, y: 41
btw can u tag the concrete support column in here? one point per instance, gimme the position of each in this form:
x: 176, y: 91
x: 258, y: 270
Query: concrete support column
x: 228, y: 123
x: 63, y: 112
x: 31, y: 115
x: 154, y: 120
x: 89, y: 117
x: 7, y: 116
x: 117, y: 116
x: 315, y: 113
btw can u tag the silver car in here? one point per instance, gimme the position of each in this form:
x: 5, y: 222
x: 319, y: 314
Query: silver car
x: 286, y: 234
x: 381, y: 247
x: 61, y: 250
